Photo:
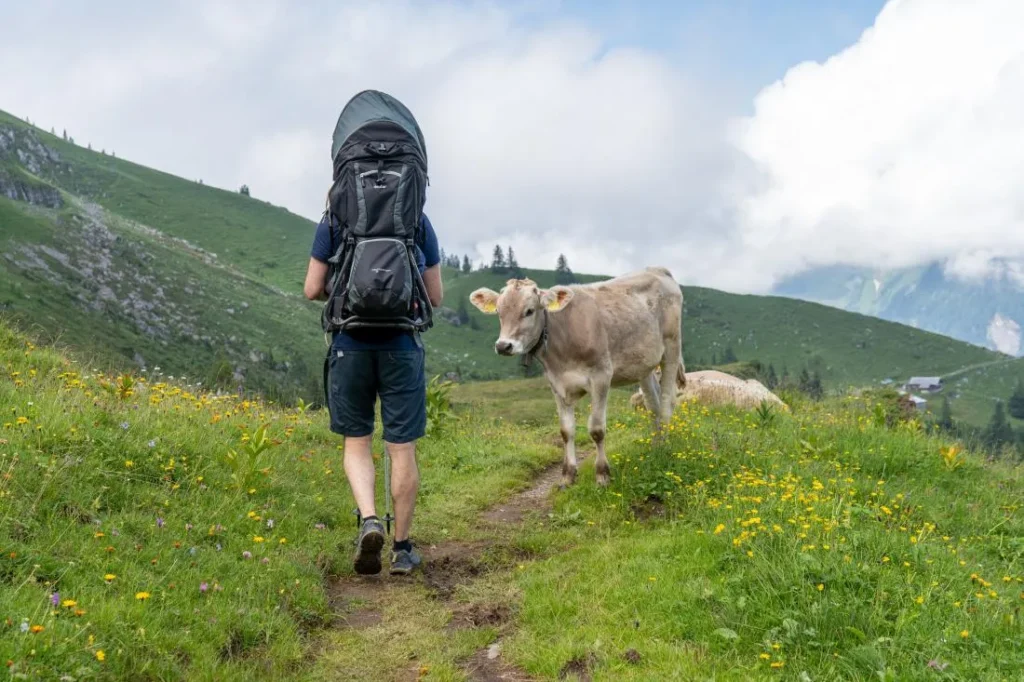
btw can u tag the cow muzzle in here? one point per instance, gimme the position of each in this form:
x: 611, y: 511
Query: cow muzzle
x: 504, y: 347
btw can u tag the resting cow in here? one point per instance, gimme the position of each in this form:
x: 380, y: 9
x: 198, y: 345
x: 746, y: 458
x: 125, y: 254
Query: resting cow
x: 592, y: 337
x: 711, y: 387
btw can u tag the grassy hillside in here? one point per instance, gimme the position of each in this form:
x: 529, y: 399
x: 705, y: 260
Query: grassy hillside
x: 149, y: 531
x: 140, y: 268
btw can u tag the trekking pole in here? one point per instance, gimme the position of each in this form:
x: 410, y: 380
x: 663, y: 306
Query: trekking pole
x: 387, y: 490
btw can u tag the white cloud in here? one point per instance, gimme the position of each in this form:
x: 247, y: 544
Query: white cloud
x: 906, y: 147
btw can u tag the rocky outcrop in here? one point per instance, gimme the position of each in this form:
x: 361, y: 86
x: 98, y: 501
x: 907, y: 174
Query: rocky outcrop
x: 13, y: 186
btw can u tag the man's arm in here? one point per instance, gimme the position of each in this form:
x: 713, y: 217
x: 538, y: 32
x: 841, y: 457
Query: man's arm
x: 315, y: 287
x: 432, y: 280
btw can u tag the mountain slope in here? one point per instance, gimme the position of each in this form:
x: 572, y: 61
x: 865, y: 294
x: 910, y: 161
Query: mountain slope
x: 986, y: 313
x: 139, y: 268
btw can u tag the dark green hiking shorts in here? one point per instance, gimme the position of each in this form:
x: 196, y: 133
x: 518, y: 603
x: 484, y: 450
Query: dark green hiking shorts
x: 356, y: 378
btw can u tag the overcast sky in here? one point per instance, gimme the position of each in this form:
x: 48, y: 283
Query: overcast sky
x: 734, y: 142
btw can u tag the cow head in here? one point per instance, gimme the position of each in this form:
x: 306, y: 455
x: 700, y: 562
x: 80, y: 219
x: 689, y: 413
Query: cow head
x: 520, y: 307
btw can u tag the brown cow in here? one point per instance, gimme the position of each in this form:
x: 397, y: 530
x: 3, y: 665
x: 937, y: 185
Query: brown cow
x: 592, y: 337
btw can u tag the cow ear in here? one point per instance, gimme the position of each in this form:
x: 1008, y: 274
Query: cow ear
x: 556, y: 298
x: 486, y: 300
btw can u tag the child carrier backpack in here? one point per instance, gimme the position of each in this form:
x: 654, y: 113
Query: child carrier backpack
x: 374, y: 209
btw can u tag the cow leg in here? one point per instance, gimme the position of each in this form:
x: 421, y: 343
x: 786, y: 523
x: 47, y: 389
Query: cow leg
x: 651, y: 392
x: 598, y: 419
x: 669, y: 377
x: 567, y: 421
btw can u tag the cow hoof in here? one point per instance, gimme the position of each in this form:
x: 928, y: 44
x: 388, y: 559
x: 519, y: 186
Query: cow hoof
x: 603, y: 480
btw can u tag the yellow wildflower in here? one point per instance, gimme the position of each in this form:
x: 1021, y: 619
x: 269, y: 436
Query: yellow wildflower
x: 142, y: 596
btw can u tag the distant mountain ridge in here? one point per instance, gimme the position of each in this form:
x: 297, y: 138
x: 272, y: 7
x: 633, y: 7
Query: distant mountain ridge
x: 988, y: 313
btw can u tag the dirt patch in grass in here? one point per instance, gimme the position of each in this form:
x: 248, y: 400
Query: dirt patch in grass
x: 354, y: 600
x: 483, y: 666
x: 449, y: 565
x: 479, y: 616
x: 577, y: 669
x: 652, y: 507
x: 535, y: 498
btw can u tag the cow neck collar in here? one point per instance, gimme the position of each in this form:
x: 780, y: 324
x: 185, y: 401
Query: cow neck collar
x: 542, y: 341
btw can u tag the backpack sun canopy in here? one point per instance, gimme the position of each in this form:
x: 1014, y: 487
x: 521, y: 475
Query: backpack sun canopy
x: 371, y: 106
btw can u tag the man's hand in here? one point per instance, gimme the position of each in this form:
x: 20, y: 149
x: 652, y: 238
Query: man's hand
x: 316, y: 280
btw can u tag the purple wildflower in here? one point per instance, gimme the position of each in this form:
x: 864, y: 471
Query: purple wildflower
x: 55, y: 598
x: 125, y: 425
x: 151, y: 443
x: 114, y: 532
x: 320, y: 526
x: 159, y: 522
x: 246, y: 554
x: 203, y: 587
x: 936, y: 665
x: 265, y: 561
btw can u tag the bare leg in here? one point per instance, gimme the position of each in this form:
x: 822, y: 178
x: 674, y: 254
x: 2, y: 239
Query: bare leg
x: 598, y: 415
x: 405, y: 480
x: 567, y: 420
x: 360, y: 472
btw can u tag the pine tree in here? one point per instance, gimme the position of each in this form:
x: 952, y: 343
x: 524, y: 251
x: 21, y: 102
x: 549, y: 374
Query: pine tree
x: 563, y: 274
x: 1016, y: 404
x: 65, y: 134
x: 815, y: 388
x: 771, y: 381
x: 804, y: 381
x: 729, y: 356
x: 513, y: 264
x: 89, y: 146
x: 53, y: 132
x: 498, y: 260
x: 999, y: 432
x: 946, y: 416
x: 467, y: 267
x: 244, y: 189
x: 444, y: 257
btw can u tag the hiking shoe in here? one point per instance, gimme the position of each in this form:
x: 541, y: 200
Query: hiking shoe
x: 403, y: 561
x: 368, y: 546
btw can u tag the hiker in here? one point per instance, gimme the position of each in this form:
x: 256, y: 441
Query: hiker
x: 375, y: 260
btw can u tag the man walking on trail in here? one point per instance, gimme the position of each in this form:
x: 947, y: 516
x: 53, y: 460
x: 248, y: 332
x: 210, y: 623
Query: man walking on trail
x: 365, y: 364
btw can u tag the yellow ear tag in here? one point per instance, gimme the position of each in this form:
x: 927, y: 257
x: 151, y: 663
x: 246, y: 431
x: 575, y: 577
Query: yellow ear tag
x: 553, y: 305
x: 490, y: 306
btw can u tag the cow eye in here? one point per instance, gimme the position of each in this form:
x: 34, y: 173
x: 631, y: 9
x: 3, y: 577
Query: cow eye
x: 529, y: 311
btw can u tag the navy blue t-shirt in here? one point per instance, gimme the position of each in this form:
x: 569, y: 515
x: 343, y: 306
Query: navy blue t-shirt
x: 428, y: 254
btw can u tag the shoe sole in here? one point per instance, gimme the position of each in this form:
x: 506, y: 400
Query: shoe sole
x: 367, y: 560
x: 401, y: 571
